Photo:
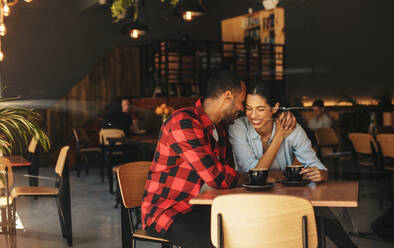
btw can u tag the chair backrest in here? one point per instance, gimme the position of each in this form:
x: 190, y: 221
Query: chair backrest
x: 5, y: 163
x: 132, y: 178
x: 362, y: 143
x: 386, y: 142
x: 326, y: 137
x: 61, y: 160
x: 33, y: 145
x: 76, y: 135
x: 110, y: 133
x: 258, y: 220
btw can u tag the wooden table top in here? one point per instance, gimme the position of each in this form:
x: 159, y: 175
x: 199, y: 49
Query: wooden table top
x: 16, y: 160
x: 327, y: 194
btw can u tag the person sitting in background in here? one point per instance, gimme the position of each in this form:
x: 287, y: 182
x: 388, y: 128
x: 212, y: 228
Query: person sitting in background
x: 320, y: 118
x: 120, y: 117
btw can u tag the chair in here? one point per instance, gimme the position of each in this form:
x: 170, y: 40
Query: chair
x: 108, y: 152
x: 33, y: 156
x: 82, y: 149
x: 131, y: 178
x: 61, y: 192
x: 258, y: 220
x: 365, y: 153
x: 7, y: 206
x: 326, y: 138
x: 386, y: 151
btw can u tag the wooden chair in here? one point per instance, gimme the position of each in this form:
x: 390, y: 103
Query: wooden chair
x: 109, y: 151
x: 131, y: 178
x: 326, y: 138
x: 7, y: 206
x: 82, y: 149
x: 61, y: 192
x: 365, y: 153
x: 33, y: 156
x: 258, y: 220
x: 386, y: 151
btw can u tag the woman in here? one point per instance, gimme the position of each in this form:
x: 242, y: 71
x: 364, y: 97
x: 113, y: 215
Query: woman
x: 258, y: 134
x: 258, y: 141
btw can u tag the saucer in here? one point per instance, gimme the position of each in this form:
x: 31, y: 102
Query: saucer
x: 267, y: 186
x: 295, y: 183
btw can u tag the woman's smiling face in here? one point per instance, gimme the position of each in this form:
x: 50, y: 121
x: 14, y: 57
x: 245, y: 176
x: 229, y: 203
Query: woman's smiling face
x: 258, y: 111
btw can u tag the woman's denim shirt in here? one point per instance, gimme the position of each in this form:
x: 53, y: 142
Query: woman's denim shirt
x: 248, y: 149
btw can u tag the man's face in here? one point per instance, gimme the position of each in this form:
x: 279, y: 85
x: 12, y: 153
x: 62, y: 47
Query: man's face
x: 235, y: 106
x: 125, y: 106
x: 317, y: 111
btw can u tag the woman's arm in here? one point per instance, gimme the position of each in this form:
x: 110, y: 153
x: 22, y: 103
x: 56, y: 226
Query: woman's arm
x: 284, y: 126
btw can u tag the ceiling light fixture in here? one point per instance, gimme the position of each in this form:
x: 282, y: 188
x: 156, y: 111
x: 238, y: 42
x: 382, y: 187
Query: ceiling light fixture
x: 135, y: 29
x: 189, y: 9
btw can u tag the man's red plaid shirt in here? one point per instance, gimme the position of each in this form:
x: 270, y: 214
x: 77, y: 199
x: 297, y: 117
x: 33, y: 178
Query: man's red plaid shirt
x: 186, y: 156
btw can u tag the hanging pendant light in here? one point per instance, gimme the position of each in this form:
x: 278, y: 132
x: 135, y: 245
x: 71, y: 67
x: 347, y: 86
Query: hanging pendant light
x: 189, y: 9
x: 134, y: 29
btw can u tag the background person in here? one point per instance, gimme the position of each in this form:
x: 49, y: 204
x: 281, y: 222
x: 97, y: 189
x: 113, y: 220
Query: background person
x: 320, y: 118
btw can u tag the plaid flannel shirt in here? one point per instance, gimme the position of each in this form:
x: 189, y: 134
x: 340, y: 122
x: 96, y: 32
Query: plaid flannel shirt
x: 186, y: 156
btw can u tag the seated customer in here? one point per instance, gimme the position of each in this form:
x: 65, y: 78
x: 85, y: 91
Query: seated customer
x: 258, y: 142
x: 191, y: 151
x: 320, y: 118
x: 120, y: 117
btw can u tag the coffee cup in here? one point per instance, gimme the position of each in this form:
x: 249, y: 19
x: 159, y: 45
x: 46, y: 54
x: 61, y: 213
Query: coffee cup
x: 258, y: 177
x: 292, y: 172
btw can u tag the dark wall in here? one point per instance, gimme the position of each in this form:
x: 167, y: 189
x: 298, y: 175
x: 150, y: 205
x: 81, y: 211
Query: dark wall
x: 51, y: 45
x: 335, y: 46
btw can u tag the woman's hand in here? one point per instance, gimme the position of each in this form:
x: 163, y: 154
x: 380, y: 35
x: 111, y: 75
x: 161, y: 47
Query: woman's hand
x: 314, y: 174
x: 285, y: 124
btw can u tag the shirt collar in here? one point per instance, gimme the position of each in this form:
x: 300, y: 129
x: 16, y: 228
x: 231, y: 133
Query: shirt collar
x: 254, y: 134
x: 199, y: 110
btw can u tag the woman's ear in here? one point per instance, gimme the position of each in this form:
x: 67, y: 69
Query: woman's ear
x: 275, y: 108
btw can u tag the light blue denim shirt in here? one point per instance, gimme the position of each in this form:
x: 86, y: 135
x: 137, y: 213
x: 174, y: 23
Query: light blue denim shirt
x: 248, y: 149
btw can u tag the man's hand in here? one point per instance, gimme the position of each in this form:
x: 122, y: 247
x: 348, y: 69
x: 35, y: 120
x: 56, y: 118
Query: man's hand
x: 314, y: 174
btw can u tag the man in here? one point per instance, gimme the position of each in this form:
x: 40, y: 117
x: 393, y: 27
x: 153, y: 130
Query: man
x: 191, y: 151
x: 120, y: 117
x: 320, y: 118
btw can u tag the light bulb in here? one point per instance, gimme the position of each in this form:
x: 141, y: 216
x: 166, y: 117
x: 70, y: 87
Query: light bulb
x: 1, y: 56
x: 3, y: 30
x: 6, y: 10
x: 28, y: 1
x: 134, y: 34
x: 188, y: 16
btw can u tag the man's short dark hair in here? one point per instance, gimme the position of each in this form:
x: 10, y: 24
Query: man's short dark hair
x: 318, y: 103
x: 222, y: 81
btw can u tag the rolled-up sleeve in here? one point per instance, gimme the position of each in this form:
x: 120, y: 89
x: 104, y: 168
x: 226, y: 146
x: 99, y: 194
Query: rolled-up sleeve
x: 242, y: 149
x: 303, y: 149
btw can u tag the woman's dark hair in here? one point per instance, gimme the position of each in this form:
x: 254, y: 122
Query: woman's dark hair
x: 267, y: 89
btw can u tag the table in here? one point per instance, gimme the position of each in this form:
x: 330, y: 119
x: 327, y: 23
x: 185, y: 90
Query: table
x: 17, y: 160
x: 327, y: 194
x: 144, y: 142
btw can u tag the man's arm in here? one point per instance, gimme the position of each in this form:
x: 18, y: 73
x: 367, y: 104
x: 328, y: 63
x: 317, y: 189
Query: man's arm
x: 188, y: 140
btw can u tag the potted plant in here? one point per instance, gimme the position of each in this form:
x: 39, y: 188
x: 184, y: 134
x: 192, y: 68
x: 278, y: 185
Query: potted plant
x: 120, y: 8
x: 17, y: 126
